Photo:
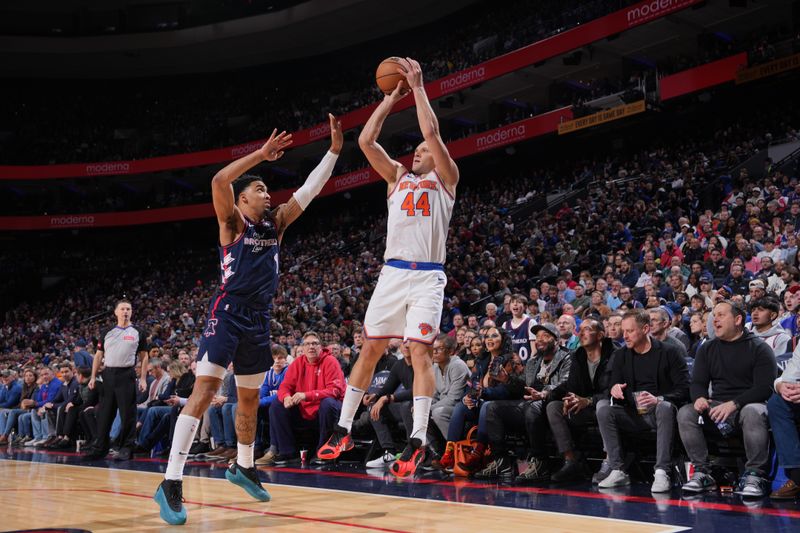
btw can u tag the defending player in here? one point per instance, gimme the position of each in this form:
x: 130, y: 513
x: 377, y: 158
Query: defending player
x: 407, y: 302
x: 237, y: 328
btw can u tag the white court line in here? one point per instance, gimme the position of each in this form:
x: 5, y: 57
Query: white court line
x: 668, y: 528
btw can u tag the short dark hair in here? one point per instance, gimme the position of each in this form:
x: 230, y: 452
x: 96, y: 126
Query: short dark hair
x: 736, y: 309
x: 519, y: 298
x: 641, y: 316
x: 122, y: 300
x: 241, y: 183
x: 277, y: 349
x: 770, y: 304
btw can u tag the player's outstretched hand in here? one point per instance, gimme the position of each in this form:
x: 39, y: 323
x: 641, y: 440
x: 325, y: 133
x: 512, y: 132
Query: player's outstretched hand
x: 412, y: 72
x: 275, y: 145
x: 337, y: 139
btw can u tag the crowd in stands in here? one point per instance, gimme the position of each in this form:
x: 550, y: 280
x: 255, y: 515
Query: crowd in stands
x: 665, y: 260
x: 183, y: 115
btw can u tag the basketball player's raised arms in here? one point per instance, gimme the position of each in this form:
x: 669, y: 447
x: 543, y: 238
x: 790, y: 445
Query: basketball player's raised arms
x: 231, y: 223
x: 288, y: 212
x: 429, y: 125
x: 388, y: 168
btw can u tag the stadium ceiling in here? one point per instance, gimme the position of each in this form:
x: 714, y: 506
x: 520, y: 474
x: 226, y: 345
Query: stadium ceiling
x: 36, y: 42
x: 670, y: 37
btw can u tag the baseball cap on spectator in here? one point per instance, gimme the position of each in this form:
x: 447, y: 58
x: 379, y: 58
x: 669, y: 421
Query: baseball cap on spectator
x: 726, y: 289
x: 794, y: 289
x: 674, y: 307
x: 5, y: 373
x: 706, y: 278
x: 80, y: 343
x: 757, y: 284
x: 549, y: 327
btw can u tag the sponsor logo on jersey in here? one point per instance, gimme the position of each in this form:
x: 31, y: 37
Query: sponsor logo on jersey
x: 258, y: 243
x: 129, y: 338
x: 425, y: 328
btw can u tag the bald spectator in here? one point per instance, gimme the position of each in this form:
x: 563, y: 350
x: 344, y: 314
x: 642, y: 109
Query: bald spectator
x: 566, y: 333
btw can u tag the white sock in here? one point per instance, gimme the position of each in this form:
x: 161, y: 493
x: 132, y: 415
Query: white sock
x: 352, y: 399
x: 244, y: 456
x: 185, y: 428
x: 422, y: 411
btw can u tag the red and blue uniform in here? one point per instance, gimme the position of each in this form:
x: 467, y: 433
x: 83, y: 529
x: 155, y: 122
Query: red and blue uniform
x: 238, y: 322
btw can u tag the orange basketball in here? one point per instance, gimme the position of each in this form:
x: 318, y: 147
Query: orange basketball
x: 387, y: 76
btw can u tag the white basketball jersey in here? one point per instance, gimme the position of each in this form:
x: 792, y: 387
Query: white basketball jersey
x: 420, y: 208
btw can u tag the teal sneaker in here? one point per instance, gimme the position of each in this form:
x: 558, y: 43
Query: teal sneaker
x: 169, y: 498
x: 247, y: 478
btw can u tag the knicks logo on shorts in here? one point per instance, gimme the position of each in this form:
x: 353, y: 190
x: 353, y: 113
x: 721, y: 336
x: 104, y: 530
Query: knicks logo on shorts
x: 209, y: 331
x: 425, y: 328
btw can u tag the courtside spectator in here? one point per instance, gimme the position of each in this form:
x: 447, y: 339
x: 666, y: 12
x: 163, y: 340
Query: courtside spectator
x: 740, y: 369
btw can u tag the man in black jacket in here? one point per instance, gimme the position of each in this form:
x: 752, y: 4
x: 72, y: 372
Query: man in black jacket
x: 55, y: 413
x: 548, y: 369
x: 68, y: 397
x: 649, y: 382
x: 573, y: 403
x: 740, y: 367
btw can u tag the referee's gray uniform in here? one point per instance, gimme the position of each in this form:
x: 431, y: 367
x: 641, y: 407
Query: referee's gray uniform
x: 120, y: 346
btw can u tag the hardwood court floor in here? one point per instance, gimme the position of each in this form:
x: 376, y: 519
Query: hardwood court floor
x: 44, y: 495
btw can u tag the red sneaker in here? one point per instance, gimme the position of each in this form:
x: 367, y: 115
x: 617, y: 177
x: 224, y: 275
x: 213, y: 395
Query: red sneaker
x: 339, y: 441
x: 412, y: 457
x: 448, y: 460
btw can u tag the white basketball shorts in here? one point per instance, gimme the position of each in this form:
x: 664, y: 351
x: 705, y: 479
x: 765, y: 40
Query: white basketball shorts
x: 406, y: 304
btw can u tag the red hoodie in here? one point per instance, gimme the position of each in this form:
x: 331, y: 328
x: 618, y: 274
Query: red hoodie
x: 323, y: 379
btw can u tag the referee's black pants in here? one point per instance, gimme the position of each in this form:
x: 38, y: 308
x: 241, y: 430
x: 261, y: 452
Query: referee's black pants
x: 119, y: 392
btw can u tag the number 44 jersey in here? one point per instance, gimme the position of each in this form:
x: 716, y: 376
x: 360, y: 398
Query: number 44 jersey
x: 420, y: 208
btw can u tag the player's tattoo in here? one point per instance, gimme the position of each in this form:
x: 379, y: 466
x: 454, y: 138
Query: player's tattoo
x: 245, y: 426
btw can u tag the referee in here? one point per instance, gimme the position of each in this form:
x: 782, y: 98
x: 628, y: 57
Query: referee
x: 119, y: 346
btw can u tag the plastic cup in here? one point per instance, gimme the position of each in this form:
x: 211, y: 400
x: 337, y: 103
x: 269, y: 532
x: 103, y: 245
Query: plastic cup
x: 303, y: 456
x: 642, y: 410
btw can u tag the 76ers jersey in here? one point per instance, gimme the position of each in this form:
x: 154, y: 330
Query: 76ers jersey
x: 420, y: 208
x: 249, y: 265
x: 520, y: 337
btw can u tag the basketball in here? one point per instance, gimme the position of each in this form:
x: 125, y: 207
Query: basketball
x: 387, y: 76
